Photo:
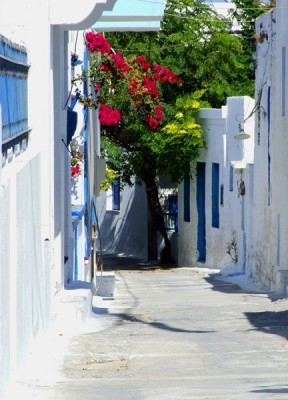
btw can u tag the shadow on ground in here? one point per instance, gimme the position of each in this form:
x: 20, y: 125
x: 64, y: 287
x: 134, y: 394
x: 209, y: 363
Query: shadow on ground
x: 115, y: 262
x: 272, y: 390
x: 156, y: 324
x: 221, y: 285
x: 272, y: 322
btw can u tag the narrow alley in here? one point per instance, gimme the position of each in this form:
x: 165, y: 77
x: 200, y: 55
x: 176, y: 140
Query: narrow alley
x: 172, y: 334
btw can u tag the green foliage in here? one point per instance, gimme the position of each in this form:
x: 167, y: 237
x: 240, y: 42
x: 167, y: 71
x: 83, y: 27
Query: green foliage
x: 245, y: 13
x: 110, y: 176
x: 197, y: 44
x: 181, y: 138
x: 145, y: 132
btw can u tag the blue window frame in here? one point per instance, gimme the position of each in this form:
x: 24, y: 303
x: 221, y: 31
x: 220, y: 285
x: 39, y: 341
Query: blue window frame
x: 116, y: 194
x: 269, y: 153
x: 283, y: 93
x: 13, y: 94
x: 171, y: 217
x: 215, y: 195
x: 187, y: 199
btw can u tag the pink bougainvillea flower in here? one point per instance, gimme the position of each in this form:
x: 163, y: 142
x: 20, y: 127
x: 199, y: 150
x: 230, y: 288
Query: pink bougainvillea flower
x: 120, y: 63
x: 150, y: 85
x: 104, y: 67
x: 143, y: 62
x: 75, y: 170
x: 108, y: 116
x: 141, y: 80
x: 140, y: 60
x: 133, y: 85
x: 96, y: 42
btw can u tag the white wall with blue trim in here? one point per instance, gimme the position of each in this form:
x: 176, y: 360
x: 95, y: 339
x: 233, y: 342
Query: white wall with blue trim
x: 270, y: 212
x: 218, y: 215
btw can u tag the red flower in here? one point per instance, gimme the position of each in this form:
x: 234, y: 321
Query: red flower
x: 155, y: 120
x: 157, y: 68
x: 143, y: 62
x: 104, y: 67
x: 75, y: 170
x: 140, y: 60
x: 120, y: 63
x: 150, y: 85
x: 108, y: 116
x: 133, y: 85
x: 96, y: 42
x: 97, y: 86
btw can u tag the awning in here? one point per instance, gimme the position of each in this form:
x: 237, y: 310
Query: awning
x: 133, y: 15
x: 108, y: 15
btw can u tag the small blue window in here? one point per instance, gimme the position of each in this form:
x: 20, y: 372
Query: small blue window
x: 116, y: 194
x: 215, y: 195
x: 187, y: 199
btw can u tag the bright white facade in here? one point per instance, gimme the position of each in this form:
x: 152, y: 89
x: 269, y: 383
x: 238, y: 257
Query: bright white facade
x: 271, y: 143
x: 213, y: 213
x: 37, y: 242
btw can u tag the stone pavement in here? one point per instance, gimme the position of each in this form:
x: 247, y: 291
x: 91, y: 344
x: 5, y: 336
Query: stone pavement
x: 174, y: 333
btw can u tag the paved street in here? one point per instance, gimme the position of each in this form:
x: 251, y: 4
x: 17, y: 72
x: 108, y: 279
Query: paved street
x: 172, y: 334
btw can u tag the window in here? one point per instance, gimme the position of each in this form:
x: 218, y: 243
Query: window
x: 171, y: 216
x: 13, y: 95
x: 215, y: 195
x: 283, y: 81
x: 187, y: 199
x: 116, y: 194
x: 269, y: 154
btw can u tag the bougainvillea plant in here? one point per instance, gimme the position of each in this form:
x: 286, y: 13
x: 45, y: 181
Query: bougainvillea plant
x: 129, y: 89
x: 156, y: 137
x: 76, y: 160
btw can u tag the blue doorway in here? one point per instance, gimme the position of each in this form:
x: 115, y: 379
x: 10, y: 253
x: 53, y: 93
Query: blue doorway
x: 200, y: 199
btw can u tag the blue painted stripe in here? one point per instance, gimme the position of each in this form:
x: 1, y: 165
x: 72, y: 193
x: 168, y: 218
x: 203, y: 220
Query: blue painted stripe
x: 215, y: 195
x: 75, y: 272
x: 269, y: 155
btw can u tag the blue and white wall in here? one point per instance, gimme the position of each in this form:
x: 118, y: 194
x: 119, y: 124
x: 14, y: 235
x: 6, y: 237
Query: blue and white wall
x: 271, y: 143
x: 212, y: 214
x: 36, y: 226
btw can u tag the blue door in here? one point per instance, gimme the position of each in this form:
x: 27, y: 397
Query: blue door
x: 200, y: 198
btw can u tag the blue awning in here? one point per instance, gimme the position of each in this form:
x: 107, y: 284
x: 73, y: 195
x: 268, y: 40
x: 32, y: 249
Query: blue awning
x: 133, y: 15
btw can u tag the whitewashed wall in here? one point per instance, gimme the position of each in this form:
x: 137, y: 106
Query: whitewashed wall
x: 271, y: 177
x: 220, y: 126
x: 26, y: 233
x: 124, y: 231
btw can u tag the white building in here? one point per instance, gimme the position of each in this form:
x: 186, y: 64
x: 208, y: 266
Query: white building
x: 271, y: 142
x: 38, y: 232
x: 214, y: 208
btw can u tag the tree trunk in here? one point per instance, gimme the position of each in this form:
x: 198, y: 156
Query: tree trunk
x: 156, y: 223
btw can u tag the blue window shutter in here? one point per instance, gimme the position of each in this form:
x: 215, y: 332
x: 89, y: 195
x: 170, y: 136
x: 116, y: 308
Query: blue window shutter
x: 215, y: 195
x: 187, y: 199
x: 116, y: 194
x: 13, y: 93
x: 269, y: 154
